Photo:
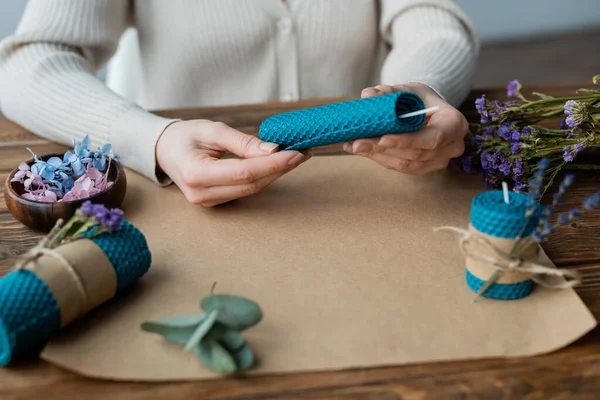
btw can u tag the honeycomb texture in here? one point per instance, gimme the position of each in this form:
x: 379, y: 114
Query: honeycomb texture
x: 29, y: 314
x: 501, y: 291
x: 344, y: 121
x: 127, y: 251
x: 492, y: 216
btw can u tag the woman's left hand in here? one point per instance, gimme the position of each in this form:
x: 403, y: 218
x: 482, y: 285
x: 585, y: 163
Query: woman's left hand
x: 416, y: 153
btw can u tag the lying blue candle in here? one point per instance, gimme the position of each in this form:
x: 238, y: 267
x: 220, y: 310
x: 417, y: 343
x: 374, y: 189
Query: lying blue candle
x: 343, y: 121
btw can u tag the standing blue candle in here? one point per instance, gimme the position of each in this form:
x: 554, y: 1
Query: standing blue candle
x: 502, y: 224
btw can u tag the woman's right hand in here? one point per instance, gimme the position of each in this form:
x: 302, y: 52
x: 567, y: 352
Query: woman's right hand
x: 190, y: 153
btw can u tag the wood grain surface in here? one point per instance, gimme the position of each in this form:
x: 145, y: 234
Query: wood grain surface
x: 569, y: 373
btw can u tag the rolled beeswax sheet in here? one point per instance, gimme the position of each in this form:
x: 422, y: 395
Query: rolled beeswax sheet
x: 341, y: 256
x: 343, y: 121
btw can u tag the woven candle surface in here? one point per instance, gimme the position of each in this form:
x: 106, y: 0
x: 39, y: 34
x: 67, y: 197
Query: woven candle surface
x: 29, y: 313
x: 344, y: 121
x: 492, y: 216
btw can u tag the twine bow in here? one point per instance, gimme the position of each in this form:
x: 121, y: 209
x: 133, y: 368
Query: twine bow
x: 505, y: 262
x: 43, y: 249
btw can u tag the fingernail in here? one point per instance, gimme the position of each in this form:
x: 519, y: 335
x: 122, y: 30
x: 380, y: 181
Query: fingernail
x: 386, y: 142
x: 297, y: 159
x: 347, y: 147
x: 267, y: 147
x: 363, y: 148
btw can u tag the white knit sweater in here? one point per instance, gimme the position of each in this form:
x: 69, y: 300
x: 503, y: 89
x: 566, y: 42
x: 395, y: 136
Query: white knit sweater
x: 216, y: 52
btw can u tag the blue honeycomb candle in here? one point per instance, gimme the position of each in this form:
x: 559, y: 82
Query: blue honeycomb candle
x: 501, y: 224
x: 35, y: 302
x: 343, y: 121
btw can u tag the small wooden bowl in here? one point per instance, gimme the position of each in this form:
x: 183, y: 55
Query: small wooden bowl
x: 43, y: 216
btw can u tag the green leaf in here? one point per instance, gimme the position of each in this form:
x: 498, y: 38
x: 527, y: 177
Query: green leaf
x: 234, y: 342
x: 234, y: 311
x: 214, y: 356
x: 244, y: 358
x: 202, y: 330
x: 228, y: 337
x: 174, y: 329
x: 543, y: 96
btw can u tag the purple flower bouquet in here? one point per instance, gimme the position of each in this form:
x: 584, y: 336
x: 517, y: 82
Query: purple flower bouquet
x: 79, y: 174
x: 510, y: 140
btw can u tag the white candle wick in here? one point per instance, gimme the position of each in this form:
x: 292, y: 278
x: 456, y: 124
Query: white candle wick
x: 505, y: 190
x: 425, y: 111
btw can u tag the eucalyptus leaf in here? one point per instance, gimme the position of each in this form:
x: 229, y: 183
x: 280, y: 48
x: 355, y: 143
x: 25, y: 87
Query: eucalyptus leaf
x: 244, y: 358
x: 228, y: 337
x: 202, y: 330
x: 234, y: 311
x: 176, y: 330
x: 214, y: 356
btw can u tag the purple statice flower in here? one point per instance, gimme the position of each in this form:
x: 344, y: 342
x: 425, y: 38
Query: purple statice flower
x: 114, y: 219
x: 563, y: 219
x: 109, y: 219
x: 563, y: 124
x: 536, y: 183
x: 519, y: 186
x: 570, y: 152
x: 567, y: 154
x: 515, y: 135
x: 574, y: 214
x: 592, y: 202
x: 504, y: 166
x: 487, y: 132
x: 513, y: 89
x: 576, y: 113
x: 515, y: 148
x: 566, y: 183
x: 467, y: 164
x: 504, y: 132
x: 481, y: 106
x: 88, y: 209
x: 518, y: 167
x: 526, y: 131
x: 571, y: 133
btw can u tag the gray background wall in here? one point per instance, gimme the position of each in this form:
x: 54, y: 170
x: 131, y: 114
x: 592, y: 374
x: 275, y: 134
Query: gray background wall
x: 497, y: 20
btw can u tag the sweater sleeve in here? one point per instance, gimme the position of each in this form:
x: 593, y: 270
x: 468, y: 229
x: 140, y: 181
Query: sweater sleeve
x: 432, y: 42
x: 48, y: 80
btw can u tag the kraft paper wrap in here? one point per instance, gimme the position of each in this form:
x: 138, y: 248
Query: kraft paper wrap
x: 484, y: 271
x: 340, y: 255
x: 80, y: 277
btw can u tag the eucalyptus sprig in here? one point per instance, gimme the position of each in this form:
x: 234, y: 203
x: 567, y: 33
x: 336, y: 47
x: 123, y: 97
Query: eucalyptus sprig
x: 214, y: 335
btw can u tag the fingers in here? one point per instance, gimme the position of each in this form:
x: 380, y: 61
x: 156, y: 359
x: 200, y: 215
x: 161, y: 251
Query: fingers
x: 213, y: 196
x: 217, y: 184
x: 364, y: 147
x: 407, y: 166
x: 220, y: 136
x: 215, y: 172
x: 377, y: 91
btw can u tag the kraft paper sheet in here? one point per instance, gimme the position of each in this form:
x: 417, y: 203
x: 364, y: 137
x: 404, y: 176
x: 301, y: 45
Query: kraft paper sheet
x: 340, y: 255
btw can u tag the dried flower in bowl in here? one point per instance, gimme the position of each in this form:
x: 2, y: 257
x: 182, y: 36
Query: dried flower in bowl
x: 47, y: 188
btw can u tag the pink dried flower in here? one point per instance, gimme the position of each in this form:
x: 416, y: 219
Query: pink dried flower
x: 21, y: 173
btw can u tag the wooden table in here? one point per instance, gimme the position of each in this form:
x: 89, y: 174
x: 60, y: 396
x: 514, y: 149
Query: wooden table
x: 570, y: 373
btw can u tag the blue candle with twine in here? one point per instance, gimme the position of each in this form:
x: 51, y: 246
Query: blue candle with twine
x: 499, y: 222
x: 55, y: 286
